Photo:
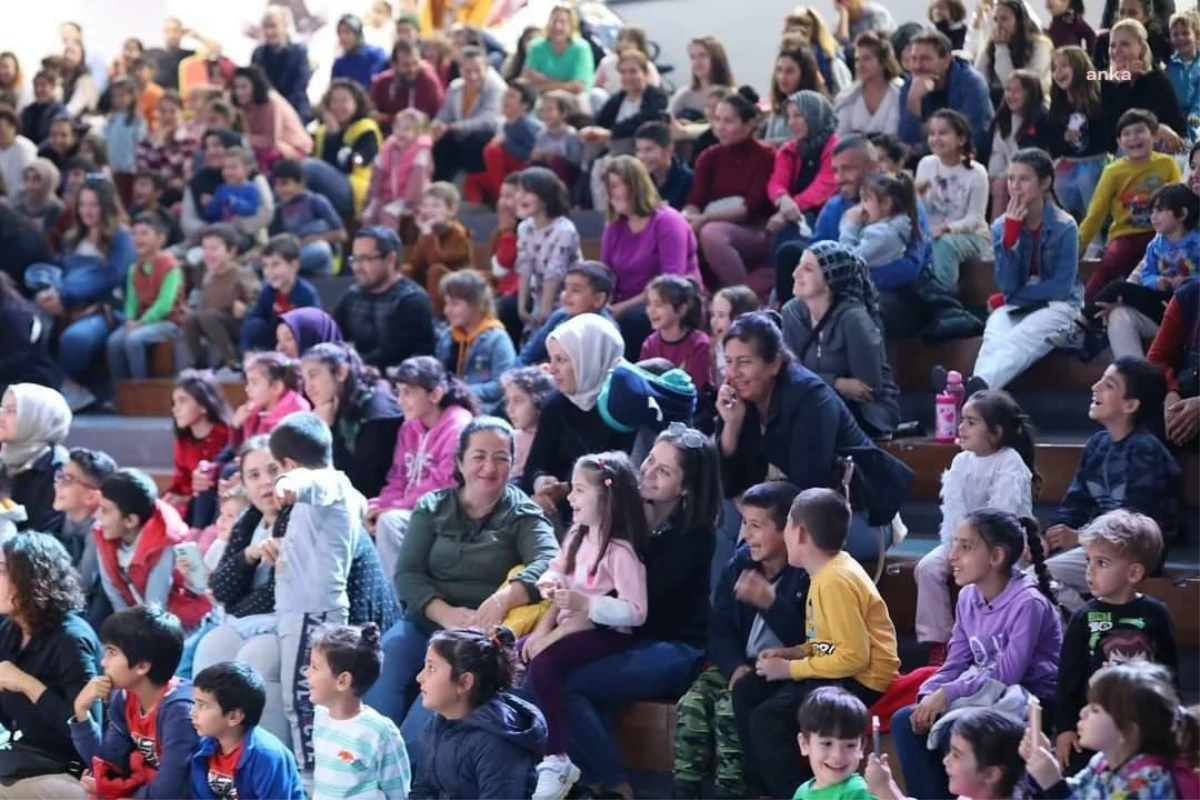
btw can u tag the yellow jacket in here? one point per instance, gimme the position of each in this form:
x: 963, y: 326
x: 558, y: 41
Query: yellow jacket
x: 1124, y: 192
x: 360, y: 174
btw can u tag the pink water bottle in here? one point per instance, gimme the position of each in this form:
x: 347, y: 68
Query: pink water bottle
x: 945, y: 426
x: 954, y: 385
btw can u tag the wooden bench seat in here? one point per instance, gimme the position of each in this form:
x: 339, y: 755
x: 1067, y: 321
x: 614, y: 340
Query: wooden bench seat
x: 929, y: 459
x: 977, y: 279
x: 152, y: 397
x: 912, y: 363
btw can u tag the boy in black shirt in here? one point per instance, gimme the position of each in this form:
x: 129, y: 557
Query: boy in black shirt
x: 1118, y: 624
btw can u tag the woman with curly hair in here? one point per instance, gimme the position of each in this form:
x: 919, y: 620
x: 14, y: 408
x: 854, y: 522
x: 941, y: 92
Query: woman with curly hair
x: 48, y: 653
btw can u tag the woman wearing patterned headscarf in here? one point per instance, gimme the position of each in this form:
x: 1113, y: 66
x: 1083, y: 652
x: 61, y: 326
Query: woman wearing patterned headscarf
x: 34, y: 422
x: 803, y: 176
x: 832, y: 325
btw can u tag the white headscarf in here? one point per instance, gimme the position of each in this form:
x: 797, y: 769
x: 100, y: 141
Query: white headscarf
x: 595, y: 347
x: 43, y: 421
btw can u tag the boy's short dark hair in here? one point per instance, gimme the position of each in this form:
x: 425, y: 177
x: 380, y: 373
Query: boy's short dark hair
x: 152, y: 221
x: 526, y: 92
x: 10, y: 116
x: 81, y: 164
x: 598, y: 276
x: 656, y: 132
x: 146, y: 634
x: 156, y: 180
x: 132, y: 491
x: 826, y: 516
x: 774, y: 497
x: 890, y: 146
x: 1138, y: 116
x: 96, y: 465
x: 304, y: 438
x: 350, y: 649
x: 284, y: 245
x: 832, y: 712
x: 223, y: 231
x: 236, y: 686
x: 1180, y: 201
x: 288, y: 169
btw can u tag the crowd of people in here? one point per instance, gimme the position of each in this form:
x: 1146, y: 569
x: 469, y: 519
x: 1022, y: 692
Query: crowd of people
x: 477, y: 504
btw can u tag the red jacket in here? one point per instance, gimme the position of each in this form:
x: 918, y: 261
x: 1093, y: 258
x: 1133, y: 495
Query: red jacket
x: 189, y: 452
x: 164, y: 529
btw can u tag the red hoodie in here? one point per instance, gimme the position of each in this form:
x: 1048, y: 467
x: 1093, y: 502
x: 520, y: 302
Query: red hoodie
x: 164, y: 529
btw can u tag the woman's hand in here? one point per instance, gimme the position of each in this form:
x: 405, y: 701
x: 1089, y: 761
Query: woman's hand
x: 534, y: 644
x: 1039, y: 759
x: 489, y: 614
x: 729, y: 406
x: 1061, y: 537
x: 928, y: 710
x: 371, y: 521
x: 776, y: 222
x: 1183, y: 420
x: 437, y: 129
x: 773, y: 669
x: 1168, y: 140
x: 695, y: 217
x: 853, y: 389
x: 788, y: 208
x: 266, y: 551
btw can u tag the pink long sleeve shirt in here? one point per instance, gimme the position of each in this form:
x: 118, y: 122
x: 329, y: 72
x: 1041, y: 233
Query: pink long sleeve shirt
x: 616, y: 586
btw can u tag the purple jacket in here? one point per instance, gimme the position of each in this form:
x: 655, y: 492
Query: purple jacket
x: 1016, y: 639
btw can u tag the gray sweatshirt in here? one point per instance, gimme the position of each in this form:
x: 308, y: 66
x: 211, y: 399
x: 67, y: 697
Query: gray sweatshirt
x: 878, y: 243
x: 313, y: 569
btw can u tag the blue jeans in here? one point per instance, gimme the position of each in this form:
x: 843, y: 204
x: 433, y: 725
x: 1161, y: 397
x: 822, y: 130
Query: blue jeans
x: 316, y: 259
x: 81, y: 344
x: 127, y: 348
x: 649, y: 670
x: 1075, y: 183
x: 924, y: 773
x: 403, y: 657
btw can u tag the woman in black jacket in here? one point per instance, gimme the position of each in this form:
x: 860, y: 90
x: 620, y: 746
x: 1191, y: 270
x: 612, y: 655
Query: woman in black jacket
x: 48, y: 653
x: 34, y: 422
x: 637, y: 102
x: 25, y: 357
x: 359, y: 408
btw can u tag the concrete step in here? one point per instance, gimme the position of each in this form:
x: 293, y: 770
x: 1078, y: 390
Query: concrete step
x: 131, y: 440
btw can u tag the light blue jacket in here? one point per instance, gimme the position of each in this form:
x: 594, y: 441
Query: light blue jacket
x: 1058, y: 261
x: 489, y: 356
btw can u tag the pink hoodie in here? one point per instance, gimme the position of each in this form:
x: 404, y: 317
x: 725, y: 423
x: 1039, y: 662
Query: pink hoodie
x: 424, y: 460
x: 264, y: 422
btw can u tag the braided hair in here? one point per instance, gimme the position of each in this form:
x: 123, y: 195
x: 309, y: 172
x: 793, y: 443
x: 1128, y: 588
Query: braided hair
x: 1013, y: 534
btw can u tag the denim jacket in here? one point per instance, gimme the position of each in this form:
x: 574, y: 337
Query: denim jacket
x: 1058, y: 261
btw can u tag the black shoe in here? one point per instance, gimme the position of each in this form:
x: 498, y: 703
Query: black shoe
x: 975, y: 384
x: 939, y: 378
x: 1095, y: 342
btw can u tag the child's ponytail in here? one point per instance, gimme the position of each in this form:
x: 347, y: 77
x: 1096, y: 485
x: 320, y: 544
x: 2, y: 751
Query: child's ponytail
x: 278, y: 367
x: 490, y: 657
x: 1033, y: 540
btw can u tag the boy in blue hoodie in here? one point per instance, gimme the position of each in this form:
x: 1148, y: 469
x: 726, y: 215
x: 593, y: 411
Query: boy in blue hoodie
x: 149, y: 741
x: 758, y: 605
x: 323, y: 521
x: 235, y: 757
x: 308, y: 216
x: 236, y: 196
x: 283, y: 289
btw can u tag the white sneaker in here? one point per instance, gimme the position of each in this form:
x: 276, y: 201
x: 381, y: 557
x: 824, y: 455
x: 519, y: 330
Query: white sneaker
x: 556, y: 776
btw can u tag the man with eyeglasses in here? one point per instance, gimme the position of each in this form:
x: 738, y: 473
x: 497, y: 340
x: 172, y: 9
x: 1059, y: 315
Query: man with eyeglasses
x: 388, y: 317
x: 77, y: 498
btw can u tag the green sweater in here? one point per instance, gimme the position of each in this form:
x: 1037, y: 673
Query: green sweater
x: 575, y: 63
x: 853, y: 788
x: 448, y: 555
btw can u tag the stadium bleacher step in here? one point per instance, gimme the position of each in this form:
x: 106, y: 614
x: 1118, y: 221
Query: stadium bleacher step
x: 146, y: 440
x: 152, y: 397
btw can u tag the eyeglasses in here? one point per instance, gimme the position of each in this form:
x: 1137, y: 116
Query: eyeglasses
x: 63, y: 478
x: 364, y: 259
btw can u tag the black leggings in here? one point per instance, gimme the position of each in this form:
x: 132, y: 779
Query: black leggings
x: 1150, y: 302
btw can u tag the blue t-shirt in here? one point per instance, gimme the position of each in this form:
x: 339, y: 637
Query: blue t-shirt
x: 1167, y: 259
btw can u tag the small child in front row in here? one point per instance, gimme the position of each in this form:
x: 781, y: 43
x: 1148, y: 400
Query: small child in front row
x: 851, y: 640
x: 994, y: 470
x: 879, y: 230
x: 1145, y: 741
x: 235, y: 757
x: 1118, y: 624
x: 558, y: 145
x: 526, y: 392
x: 675, y: 310
x: 475, y: 348
x: 503, y: 244
x: 443, y: 246
x: 148, y: 743
x: 510, y: 151
x: 282, y: 290
x: 832, y: 724
x: 598, y: 587
x: 358, y: 751
x: 227, y: 292
x: 587, y: 288
x: 1007, y: 632
x: 312, y: 572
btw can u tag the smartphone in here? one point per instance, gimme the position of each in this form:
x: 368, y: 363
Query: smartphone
x: 196, y: 576
x: 1035, y: 716
x: 875, y: 736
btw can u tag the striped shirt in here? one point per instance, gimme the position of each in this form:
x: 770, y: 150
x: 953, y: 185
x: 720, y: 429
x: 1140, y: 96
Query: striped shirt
x: 362, y: 757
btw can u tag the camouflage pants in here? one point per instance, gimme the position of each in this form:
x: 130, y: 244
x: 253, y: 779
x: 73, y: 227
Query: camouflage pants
x: 706, y: 734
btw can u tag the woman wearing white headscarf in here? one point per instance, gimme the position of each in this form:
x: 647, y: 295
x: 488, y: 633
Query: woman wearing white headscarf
x: 34, y: 422
x: 583, y: 350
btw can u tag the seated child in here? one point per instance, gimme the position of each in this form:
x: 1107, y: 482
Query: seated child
x: 227, y: 292
x: 312, y: 572
x: 832, y: 723
x: 154, y: 302
x: 655, y: 148
x: 483, y: 741
x: 437, y: 406
x: 475, y: 348
x: 526, y: 392
x: 851, y: 640
x: 587, y: 289
x: 37, y: 200
x: 758, y: 605
x: 308, y: 216
x: 512, y: 149
x: 879, y: 230
x: 558, y: 145
x: 727, y: 305
x: 148, y: 191
x: 893, y: 153
x: 213, y: 540
x: 358, y: 751
x: 77, y: 498
x: 1019, y: 122
x: 1118, y: 624
x: 135, y: 544
x: 282, y: 290
x: 237, y: 196
x: 272, y: 393
x: 443, y: 245
x: 402, y: 173
x: 503, y: 244
x: 147, y: 746
x: 674, y: 307
x: 235, y: 757
x: 201, y: 416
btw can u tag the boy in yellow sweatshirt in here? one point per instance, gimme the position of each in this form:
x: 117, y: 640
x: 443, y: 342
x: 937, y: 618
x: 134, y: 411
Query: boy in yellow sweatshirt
x: 1124, y: 192
x: 850, y: 639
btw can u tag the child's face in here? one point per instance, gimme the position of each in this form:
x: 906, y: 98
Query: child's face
x: 144, y: 193
x: 8, y: 132
x: 832, y: 760
x: 231, y: 509
x: 320, y: 384
x: 207, y: 717
x: 217, y: 256
x: 578, y: 297
x: 586, y: 498
x: 888, y: 166
x: 661, y: 313
x: 73, y: 492
x: 404, y: 129
x: 1014, y: 95
x: 1164, y: 220
x: 417, y: 403
x: 1183, y: 39
x: 75, y: 179
x: 1097, y: 730
x: 61, y: 136
x: 169, y: 115
x: 1023, y: 183
x: 116, y: 666
x: 323, y: 685
x: 759, y: 531
x: 287, y: 188
x: 185, y: 410
x: 146, y: 240
x: 32, y: 183
x: 973, y: 433
x: 1109, y: 401
x: 971, y: 560
x: 720, y: 315
x: 507, y: 201
x: 434, y: 210
x: 661, y: 474
x: 1061, y: 72
x: 43, y: 90
x: 877, y: 208
x: 113, y: 524
x: 528, y: 204
x: 1131, y: 9
x: 550, y: 113
x: 280, y: 272
x: 1136, y: 141
x: 439, y: 692
x: 122, y: 99
x: 511, y: 105
x: 461, y: 314
x: 1109, y: 573
x: 943, y: 141
x: 233, y: 171
x: 654, y: 157
x: 260, y: 389
x: 520, y: 408
x: 966, y: 779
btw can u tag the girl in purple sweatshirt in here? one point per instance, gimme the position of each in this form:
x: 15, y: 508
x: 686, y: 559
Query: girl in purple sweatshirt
x: 1007, y: 629
x: 437, y: 406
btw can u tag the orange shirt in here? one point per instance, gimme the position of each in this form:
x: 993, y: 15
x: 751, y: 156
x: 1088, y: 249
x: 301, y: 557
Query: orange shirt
x: 148, y: 103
